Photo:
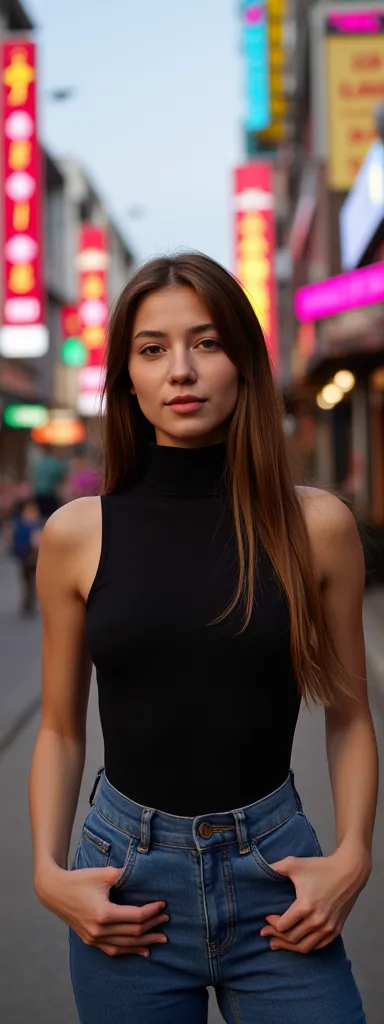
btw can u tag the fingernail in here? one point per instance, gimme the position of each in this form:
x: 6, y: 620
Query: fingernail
x: 273, y: 946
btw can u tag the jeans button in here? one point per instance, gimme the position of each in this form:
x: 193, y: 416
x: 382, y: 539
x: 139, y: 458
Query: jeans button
x: 205, y: 830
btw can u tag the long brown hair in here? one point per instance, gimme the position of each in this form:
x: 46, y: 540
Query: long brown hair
x: 263, y: 496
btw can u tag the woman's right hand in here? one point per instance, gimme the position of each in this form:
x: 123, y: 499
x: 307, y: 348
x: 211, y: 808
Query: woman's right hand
x: 81, y: 899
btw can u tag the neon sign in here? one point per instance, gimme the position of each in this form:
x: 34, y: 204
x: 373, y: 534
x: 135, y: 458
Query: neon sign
x: 23, y: 332
x: 338, y: 294
x: 255, y: 49
x: 255, y: 245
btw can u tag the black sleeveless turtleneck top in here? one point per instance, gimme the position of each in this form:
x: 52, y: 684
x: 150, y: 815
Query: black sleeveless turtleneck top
x: 196, y: 717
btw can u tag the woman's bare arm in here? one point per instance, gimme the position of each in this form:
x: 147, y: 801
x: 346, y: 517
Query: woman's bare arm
x: 351, y: 742
x: 67, y: 564
x: 327, y: 887
x: 58, y: 759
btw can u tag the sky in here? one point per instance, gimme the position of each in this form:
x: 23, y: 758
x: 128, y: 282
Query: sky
x: 157, y: 116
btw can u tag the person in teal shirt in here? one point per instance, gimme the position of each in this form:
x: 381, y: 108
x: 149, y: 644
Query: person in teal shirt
x: 49, y: 472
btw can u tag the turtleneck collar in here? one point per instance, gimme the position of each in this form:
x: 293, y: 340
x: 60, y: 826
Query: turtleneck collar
x: 187, y: 472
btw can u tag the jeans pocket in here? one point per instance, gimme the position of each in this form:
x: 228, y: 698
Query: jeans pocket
x: 129, y: 863
x: 93, y: 851
x: 103, y: 845
x: 294, y: 837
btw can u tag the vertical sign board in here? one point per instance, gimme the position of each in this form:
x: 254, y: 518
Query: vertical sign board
x: 93, y: 315
x: 355, y: 78
x: 276, y: 12
x: 254, y: 30
x: 255, y: 245
x: 23, y: 332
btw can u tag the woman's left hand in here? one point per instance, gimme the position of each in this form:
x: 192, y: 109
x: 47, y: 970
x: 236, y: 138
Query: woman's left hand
x: 326, y: 890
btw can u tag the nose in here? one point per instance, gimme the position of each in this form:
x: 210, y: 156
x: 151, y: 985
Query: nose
x: 182, y: 369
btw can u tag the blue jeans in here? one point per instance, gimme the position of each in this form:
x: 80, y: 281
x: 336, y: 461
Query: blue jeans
x: 214, y: 873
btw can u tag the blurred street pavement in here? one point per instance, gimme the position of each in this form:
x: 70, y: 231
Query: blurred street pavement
x: 34, y: 981
x: 20, y: 642
x: 374, y: 638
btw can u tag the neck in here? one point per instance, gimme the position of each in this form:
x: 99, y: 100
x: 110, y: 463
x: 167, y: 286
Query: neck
x: 187, y: 472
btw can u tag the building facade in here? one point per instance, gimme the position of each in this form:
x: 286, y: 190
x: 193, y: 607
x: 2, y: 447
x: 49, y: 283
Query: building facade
x: 69, y: 199
x: 340, y: 54
x: 324, y: 67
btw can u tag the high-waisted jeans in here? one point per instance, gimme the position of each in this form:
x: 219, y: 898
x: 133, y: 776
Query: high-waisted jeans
x: 214, y: 874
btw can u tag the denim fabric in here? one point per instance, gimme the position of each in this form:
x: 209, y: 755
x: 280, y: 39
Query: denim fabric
x: 219, y: 887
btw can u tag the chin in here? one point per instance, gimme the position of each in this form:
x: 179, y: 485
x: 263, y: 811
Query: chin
x: 195, y: 432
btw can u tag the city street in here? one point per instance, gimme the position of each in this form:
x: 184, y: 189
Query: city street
x: 34, y: 983
x: 194, y: 199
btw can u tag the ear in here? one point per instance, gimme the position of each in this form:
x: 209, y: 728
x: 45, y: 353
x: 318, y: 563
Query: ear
x: 132, y: 391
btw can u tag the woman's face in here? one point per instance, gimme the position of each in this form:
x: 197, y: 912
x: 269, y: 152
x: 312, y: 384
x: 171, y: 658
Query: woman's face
x: 186, y: 385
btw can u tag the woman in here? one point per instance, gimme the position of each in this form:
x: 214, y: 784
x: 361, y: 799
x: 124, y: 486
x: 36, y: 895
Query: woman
x: 25, y: 536
x: 211, y: 595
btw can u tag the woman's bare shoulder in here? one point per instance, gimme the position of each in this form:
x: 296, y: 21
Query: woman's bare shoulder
x: 324, y: 510
x: 332, y: 530
x: 72, y: 523
x: 69, y: 550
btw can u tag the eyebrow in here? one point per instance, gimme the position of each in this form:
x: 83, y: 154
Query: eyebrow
x: 197, y: 329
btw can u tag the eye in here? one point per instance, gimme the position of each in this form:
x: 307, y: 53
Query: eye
x: 150, y: 350
x: 209, y: 344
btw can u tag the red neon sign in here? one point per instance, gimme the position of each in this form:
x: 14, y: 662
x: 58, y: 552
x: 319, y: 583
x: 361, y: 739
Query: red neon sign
x: 255, y: 245
x: 93, y: 313
x: 22, y: 315
x: 70, y: 322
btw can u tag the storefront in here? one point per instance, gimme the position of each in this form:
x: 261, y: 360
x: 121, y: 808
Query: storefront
x: 17, y: 386
x: 338, y: 385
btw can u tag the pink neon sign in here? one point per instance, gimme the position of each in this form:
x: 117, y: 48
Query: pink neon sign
x: 254, y: 14
x: 356, y: 22
x: 338, y: 294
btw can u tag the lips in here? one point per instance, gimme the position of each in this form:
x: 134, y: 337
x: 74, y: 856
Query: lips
x: 186, y: 400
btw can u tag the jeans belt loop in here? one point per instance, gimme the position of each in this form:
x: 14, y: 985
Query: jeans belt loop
x: 95, y: 785
x: 241, y: 831
x: 145, y: 836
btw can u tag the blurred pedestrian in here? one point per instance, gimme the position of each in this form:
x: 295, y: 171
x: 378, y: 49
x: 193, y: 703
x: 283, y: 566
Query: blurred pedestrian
x: 83, y: 480
x: 7, y: 500
x: 212, y: 596
x: 24, y: 542
x: 47, y: 475
x: 12, y: 493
